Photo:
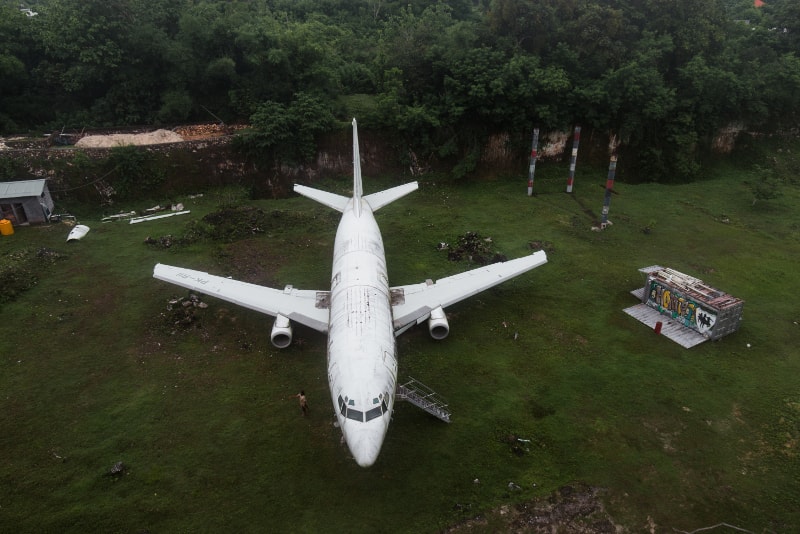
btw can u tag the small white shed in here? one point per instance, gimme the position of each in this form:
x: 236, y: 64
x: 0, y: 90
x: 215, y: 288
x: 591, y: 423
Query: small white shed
x: 25, y: 202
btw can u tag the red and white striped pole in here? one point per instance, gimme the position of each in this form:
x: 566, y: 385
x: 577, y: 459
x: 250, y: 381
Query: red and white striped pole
x: 612, y: 169
x: 532, y: 166
x: 575, y: 142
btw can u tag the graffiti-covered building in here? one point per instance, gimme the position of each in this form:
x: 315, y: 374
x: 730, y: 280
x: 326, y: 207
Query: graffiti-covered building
x: 689, y: 310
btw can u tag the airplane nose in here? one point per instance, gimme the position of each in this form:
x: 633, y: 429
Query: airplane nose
x: 365, y: 446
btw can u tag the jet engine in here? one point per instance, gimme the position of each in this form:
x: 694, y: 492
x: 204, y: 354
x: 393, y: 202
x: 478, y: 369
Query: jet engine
x: 438, y: 325
x: 281, y: 335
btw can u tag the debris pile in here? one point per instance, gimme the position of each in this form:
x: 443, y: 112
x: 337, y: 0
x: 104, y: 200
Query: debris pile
x: 205, y: 131
x: 159, y: 208
x: 165, y: 241
x: 119, y: 216
x: 474, y: 248
x: 183, y: 310
x: 518, y: 445
x: 117, y: 470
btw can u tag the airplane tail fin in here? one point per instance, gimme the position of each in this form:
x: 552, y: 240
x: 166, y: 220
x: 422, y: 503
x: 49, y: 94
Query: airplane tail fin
x: 358, y: 189
x: 375, y: 200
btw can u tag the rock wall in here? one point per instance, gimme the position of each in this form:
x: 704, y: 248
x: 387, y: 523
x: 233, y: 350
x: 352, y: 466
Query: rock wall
x: 196, y: 164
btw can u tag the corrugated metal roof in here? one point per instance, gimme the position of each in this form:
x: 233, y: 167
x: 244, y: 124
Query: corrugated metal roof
x: 24, y: 188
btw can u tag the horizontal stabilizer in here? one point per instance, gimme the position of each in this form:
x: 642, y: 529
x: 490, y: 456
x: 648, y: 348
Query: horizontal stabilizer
x: 332, y: 200
x: 382, y: 198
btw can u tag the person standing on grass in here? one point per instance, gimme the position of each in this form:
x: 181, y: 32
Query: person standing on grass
x: 303, y: 401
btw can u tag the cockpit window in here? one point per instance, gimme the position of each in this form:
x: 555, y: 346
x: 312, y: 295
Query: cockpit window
x: 357, y: 415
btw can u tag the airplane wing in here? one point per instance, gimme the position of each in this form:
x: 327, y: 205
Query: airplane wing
x: 306, y: 307
x: 412, y: 304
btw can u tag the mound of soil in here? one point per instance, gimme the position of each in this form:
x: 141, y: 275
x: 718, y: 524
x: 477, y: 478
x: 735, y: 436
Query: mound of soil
x: 157, y: 137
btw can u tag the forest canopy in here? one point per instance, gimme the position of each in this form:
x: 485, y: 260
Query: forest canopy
x: 665, y: 76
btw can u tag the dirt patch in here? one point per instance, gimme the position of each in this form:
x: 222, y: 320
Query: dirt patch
x: 571, y: 509
x: 254, y: 261
x: 157, y: 137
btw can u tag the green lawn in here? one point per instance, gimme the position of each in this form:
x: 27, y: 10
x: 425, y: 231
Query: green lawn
x: 94, y: 371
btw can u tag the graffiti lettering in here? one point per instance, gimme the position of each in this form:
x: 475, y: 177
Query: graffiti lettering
x: 670, y: 302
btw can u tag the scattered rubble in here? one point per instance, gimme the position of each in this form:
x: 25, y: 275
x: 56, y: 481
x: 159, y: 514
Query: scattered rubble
x: 474, y: 248
x: 136, y: 220
x: 182, y: 311
x: 165, y: 241
x: 573, y: 508
x: 518, y: 445
x: 117, y: 470
x: 119, y: 216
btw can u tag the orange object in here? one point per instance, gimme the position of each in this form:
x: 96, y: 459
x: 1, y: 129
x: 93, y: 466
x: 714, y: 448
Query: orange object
x: 6, y: 228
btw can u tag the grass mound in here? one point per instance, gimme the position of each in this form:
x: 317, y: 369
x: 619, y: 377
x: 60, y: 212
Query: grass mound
x: 229, y: 224
x: 20, y: 270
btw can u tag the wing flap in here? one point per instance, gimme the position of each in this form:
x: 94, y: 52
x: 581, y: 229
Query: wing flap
x: 306, y: 307
x: 413, y: 303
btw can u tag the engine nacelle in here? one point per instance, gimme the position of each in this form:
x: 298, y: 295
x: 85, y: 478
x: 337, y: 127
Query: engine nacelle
x: 438, y: 325
x: 281, y: 335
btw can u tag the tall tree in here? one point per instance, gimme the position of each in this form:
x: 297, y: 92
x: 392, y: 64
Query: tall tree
x: 286, y: 133
x: 13, y: 71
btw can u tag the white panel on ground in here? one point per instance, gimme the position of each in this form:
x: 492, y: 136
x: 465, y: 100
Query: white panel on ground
x: 686, y: 337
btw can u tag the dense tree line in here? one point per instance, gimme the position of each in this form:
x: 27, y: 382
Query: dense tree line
x: 664, y: 75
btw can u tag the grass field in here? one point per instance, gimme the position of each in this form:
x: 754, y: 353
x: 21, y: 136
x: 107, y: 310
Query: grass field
x: 94, y: 370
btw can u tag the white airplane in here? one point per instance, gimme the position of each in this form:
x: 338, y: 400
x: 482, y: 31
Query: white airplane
x: 361, y: 313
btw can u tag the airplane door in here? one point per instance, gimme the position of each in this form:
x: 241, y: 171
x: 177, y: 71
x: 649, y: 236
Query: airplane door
x: 390, y: 362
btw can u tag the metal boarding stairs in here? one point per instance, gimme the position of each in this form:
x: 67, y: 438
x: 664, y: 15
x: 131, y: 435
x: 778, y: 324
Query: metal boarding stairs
x: 424, y: 397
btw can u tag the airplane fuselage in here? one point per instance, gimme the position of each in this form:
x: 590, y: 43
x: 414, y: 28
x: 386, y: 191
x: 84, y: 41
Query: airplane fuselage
x: 362, y: 362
